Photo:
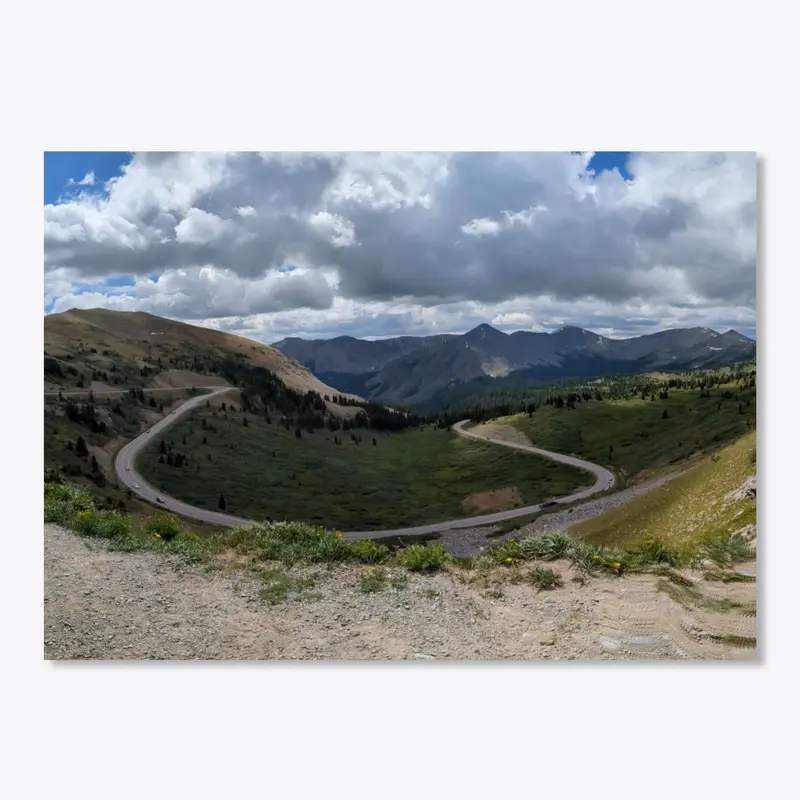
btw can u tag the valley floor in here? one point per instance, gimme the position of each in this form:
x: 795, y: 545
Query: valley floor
x: 100, y: 604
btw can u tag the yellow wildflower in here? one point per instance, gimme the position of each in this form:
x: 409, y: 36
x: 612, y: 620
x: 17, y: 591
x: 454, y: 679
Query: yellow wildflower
x: 509, y: 560
x: 616, y: 565
x: 158, y: 536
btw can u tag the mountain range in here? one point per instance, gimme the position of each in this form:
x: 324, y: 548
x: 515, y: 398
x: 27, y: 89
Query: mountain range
x: 412, y: 370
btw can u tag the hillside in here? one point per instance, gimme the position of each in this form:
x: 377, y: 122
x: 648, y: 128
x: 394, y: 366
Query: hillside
x: 120, y: 348
x: 109, y: 375
x: 412, y: 370
x: 715, y: 498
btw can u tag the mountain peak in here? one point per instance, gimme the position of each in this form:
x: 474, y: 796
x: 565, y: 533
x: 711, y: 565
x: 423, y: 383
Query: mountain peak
x: 484, y: 331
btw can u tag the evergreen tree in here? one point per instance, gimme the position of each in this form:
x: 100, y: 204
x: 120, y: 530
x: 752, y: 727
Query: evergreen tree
x: 80, y: 447
x: 222, y: 505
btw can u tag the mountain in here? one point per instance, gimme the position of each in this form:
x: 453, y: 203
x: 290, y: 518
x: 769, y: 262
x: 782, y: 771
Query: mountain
x: 79, y: 344
x: 412, y: 370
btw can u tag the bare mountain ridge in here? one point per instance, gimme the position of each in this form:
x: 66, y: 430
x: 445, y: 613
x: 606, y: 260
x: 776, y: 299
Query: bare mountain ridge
x: 411, y: 370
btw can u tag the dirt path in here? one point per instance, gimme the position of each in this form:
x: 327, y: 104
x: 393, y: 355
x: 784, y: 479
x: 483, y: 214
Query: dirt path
x: 101, y: 604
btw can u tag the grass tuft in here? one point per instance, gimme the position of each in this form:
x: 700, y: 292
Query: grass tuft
x: 423, y: 557
x: 544, y: 578
x: 373, y: 580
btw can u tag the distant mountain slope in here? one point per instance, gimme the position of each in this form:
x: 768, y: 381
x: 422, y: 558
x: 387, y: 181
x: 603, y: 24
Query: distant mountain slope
x: 411, y: 370
x: 142, y: 349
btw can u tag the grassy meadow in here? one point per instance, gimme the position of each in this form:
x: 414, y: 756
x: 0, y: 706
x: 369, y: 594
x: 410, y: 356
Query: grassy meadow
x: 632, y: 436
x: 409, y: 478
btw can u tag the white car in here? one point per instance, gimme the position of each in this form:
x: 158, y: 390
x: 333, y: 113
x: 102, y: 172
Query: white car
x: 128, y: 466
x: 159, y: 499
x: 135, y: 485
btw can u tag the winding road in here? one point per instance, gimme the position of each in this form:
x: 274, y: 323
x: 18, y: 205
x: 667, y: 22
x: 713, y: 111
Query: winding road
x: 126, y: 471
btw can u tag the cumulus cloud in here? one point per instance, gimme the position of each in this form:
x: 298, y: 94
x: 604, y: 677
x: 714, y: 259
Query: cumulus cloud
x: 389, y: 243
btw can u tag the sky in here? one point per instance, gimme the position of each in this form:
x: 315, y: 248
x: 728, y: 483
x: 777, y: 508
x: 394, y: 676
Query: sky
x: 270, y: 245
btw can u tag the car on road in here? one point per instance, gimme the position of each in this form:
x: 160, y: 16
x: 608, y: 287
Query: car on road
x: 159, y: 499
x: 135, y: 485
x: 127, y: 466
x: 549, y: 504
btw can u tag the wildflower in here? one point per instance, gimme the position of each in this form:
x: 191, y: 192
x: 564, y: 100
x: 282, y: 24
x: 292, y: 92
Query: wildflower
x: 596, y: 557
x: 339, y: 534
x: 158, y: 535
x: 616, y: 565
x: 509, y: 560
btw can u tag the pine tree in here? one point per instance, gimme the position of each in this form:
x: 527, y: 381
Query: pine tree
x: 80, y: 447
x: 222, y: 503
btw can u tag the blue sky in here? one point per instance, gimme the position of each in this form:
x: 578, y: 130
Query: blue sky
x: 608, y: 160
x: 61, y: 167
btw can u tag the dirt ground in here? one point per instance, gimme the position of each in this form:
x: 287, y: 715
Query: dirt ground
x: 100, y: 604
x: 505, y: 433
x: 493, y: 500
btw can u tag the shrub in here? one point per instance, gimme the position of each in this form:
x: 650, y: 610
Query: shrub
x: 105, y: 524
x: 368, y: 552
x: 544, y: 578
x: 163, y: 525
x: 654, y: 551
x: 192, y: 548
x: 62, y: 502
x: 546, y: 548
x: 373, y: 580
x: 581, y: 555
x: 291, y: 542
x: 423, y: 557
x: 506, y: 552
x: 727, y: 550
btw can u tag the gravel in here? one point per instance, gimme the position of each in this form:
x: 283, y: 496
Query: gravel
x: 471, y: 541
x: 101, y: 604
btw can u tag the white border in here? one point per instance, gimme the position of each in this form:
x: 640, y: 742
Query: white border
x: 410, y: 76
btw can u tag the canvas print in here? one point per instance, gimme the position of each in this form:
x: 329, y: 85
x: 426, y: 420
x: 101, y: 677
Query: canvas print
x: 400, y: 406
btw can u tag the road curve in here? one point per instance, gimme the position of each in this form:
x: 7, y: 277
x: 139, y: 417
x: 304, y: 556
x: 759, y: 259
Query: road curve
x: 126, y: 471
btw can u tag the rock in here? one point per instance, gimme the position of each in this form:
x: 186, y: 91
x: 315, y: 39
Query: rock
x: 607, y: 643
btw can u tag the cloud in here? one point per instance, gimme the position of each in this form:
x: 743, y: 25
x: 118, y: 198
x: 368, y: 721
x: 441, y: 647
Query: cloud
x: 87, y: 180
x: 518, y: 237
x: 200, y: 227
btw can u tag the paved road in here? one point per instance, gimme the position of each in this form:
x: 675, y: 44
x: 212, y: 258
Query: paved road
x: 73, y: 392
x: 126, y: 470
